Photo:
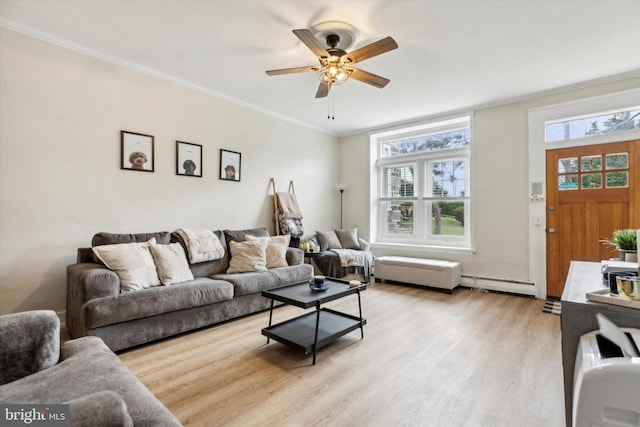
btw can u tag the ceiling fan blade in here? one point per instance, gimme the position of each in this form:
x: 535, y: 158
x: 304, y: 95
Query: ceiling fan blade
x: 368, y: 78
x: 292, y: 70
x: 312, y: 43
x: 371, y: 50
x: 323, y: 90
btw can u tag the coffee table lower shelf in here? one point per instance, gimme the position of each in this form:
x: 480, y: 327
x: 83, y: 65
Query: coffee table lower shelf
x: 299, y: 332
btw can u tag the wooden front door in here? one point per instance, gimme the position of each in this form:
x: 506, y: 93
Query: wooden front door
x: 591, y: 191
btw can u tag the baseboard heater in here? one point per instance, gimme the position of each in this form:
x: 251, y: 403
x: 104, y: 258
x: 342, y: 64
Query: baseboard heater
x: 501, y: 285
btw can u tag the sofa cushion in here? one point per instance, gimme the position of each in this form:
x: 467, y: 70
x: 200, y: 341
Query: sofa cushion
x: 255, y: 282
x: 171, y: 263
x: 276, y: 252
x: 132, y: 262
x: 248, y: 256
x: 328, y: 240
x: 240, y: 235
x: 162, y: 238
x: 152, y: 301
x: 207, y: 268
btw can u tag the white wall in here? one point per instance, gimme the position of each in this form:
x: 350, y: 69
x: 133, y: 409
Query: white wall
x: 500, y: 185
x: 61, y: 114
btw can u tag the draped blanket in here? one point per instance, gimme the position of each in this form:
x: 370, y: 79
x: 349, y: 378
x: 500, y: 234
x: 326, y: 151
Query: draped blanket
x: 202, y: 244
x: 290, y: 217
x: 288, y: 205
x: 350, y: 257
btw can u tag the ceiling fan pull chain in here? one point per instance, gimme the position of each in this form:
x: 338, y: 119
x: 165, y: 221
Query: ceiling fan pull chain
x: 333, y: 107
x: 330, y: 108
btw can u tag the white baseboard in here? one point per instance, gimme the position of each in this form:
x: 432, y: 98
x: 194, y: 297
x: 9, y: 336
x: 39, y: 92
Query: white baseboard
x: 500, y: 285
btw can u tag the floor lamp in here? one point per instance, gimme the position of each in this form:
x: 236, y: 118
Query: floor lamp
x: 341, y: 188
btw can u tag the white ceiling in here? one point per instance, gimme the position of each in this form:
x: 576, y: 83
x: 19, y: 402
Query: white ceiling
x: 452, y: 54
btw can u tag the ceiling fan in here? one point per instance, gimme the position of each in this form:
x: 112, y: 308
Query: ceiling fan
x: 336, y: 65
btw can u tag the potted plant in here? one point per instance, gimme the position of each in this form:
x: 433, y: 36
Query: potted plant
x: 626, y: 242
x: 305, y: 245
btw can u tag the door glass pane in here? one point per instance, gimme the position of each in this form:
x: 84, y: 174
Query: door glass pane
x: 448, y: 179
x: 399, y: 217
x: 617, y: 179
x: 568, y: 182
x: 447, y: 218
x: 398, y: 181
x: 591, y: 181
x: 617, y: 161
x: 591, y: 163
x: 568, y: 165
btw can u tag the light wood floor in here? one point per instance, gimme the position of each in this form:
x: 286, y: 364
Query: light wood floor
x: 427, y: 359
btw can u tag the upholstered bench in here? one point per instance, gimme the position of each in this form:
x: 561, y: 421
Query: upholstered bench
x: 418, y: 271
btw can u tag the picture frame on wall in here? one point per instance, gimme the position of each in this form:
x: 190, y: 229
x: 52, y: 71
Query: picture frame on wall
x: 230, y: 165
x: 188, y: 159
x: 136, y: 151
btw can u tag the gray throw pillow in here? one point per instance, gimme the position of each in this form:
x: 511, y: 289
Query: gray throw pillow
x: 349, y: 238
x: 328, y: 240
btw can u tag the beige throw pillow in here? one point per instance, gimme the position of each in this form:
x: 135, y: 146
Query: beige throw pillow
x: 132, y: 262
x: 171, y: 263
x: 247, y: 256
x: 276, y: 252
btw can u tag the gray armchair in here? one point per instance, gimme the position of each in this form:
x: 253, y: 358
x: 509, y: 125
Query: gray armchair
x: 330, y: 262
x: 83, y: 373
x: 29, y: 342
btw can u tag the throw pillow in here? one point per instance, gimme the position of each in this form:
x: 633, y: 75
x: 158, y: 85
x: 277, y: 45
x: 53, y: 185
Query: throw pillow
x: 247, y: 256
x: 132, y: 262
x: 349, y: 238
x: 171, y: 263
x: 328, y: 240
x: 276, y: 252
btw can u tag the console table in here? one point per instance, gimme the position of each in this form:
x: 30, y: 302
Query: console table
x: 579, y: 317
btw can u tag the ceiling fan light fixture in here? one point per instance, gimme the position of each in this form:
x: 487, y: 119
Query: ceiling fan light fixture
x: 333, y: 73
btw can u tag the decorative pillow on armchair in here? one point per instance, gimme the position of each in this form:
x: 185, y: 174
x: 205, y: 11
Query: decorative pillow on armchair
x: 328, y: 240
x: 349, y: 238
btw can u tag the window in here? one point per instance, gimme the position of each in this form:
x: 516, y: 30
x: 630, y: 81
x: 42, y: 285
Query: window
x: 602, y: 123
x: 422, y: 191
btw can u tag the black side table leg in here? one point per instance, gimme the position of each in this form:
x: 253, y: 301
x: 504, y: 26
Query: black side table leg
x: 360, y: 310
x: 315, y: 341
x: 270, y: 317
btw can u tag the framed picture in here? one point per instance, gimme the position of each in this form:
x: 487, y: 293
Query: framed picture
x: 230, y: 165
x: 188, y: 159
x: 137, y: 151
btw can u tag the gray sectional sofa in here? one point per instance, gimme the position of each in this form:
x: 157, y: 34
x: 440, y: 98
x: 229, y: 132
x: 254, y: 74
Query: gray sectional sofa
x: 82, y: 373
x: 96, y: 306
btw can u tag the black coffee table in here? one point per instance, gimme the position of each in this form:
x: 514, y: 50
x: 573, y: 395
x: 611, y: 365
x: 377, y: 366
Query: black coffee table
x: 315, y: 329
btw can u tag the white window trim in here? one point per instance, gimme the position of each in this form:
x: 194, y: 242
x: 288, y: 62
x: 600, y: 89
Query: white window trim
x: 376, y: 138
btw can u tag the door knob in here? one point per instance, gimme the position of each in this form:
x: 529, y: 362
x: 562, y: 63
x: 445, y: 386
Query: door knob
x: 552, y: 230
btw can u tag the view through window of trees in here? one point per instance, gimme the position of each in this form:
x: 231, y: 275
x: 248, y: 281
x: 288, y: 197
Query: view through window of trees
x: 592, y: 125
x: 423, y: 196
